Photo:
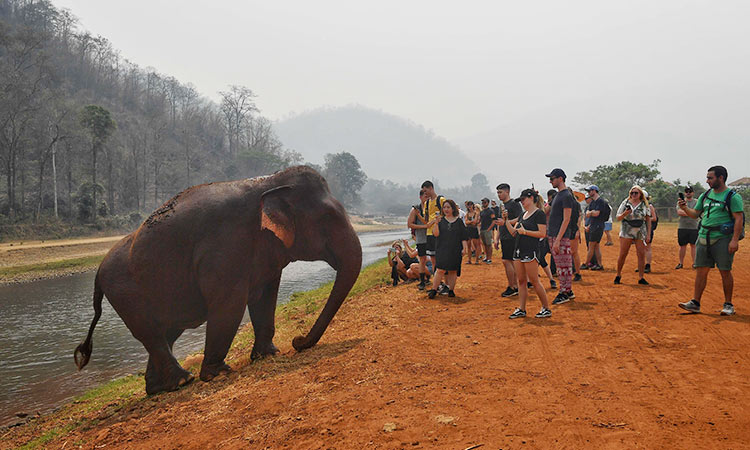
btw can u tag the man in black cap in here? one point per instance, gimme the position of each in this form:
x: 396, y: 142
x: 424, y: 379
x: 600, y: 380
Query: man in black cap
x: 687, y: 228
x: 597, y: 212
x: 558, y: 234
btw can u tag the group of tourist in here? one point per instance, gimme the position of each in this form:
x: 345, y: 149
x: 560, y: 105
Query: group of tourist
x: 527, y: 228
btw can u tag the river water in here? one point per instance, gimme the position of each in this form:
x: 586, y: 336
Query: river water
x: 41, y: 323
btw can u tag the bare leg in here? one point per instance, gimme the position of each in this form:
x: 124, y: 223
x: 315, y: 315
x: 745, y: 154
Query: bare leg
x: 510, y: 274
x: 727, y: 282
x: 640, y: 249
x: 439, y: 275
x: 683, y: 249
x: 523, y: 291
x: 451, y: 278
x: 533, y: 274
x: 624, y: 250
x: 648, y: 253
x: 692, y: 252
x: 598, y: 252
x: 701, y: 276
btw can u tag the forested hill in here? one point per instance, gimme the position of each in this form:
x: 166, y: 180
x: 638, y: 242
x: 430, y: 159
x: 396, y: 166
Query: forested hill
x: 387, y: 147
x: 119, y: 138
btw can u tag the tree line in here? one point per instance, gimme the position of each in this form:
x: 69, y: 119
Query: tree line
x: 85, y: 133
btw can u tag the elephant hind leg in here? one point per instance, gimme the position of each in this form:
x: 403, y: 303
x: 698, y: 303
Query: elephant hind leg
x: 163, y: 372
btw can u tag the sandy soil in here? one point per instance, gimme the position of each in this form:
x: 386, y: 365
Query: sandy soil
x: 618, y: 367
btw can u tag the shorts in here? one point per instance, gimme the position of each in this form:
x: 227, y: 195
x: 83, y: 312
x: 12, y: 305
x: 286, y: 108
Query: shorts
x: 508, y: 246
x: 595, y: 234
x: 486, y: 237
x: 422, y: 249
x: 686, y: 236
x: 525, y: 255
x: 715, y: 254
x: 430, y: 246
x: 473, y: 232
x: 607, y: 226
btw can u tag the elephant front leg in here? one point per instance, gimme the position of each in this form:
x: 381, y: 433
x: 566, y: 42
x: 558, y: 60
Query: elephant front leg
x: 221, y: 327
x: 262, y: 310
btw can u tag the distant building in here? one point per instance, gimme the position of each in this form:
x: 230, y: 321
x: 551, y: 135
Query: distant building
x: 742, y: 182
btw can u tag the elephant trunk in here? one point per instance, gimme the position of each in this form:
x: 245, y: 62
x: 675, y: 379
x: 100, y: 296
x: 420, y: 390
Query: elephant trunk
x: 347, y: 256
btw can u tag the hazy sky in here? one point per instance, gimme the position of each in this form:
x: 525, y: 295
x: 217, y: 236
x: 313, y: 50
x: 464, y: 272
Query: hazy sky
x: 649, y: 75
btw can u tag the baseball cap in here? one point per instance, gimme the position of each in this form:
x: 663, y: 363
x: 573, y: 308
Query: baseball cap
x: 527, y: 193
x: 485, y: 200
x: 688, y: 189
x: 593, y: 187
x: 556, y: 173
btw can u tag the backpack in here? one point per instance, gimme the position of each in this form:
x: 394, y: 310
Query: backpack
x: 575, y: 214
x: 440, y: 199
x: 607, y: 210
x: 725, y: 228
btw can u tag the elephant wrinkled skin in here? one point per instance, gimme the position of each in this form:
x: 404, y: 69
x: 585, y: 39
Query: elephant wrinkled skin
x: 213, y: 250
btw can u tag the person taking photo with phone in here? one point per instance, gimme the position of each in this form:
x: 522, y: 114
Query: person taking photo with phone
x: 687, y: 227
x: 722, y: 227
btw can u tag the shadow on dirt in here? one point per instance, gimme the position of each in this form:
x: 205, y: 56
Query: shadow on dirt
x: 533, y: 321
x: 580, y: 306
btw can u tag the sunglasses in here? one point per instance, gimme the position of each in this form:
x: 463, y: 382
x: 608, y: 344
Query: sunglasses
x: 635, y: 193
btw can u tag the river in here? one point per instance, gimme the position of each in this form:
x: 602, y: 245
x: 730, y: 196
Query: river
x: 42, y: 322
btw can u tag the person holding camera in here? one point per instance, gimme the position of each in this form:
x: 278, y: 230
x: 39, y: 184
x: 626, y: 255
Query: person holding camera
x: 403, y: 261
x: 530, y: 228
x: 450, y: 233
x: 635, y: 214
x: 722, y: 227
x: 687, y: 227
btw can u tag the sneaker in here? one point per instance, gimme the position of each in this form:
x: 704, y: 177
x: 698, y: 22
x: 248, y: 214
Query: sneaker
x: 570, y: 295
x: 597, y: 267
x: 609, y: 244
x: 577, y: 277
x: 443, y: 289
x: 543, y: 314
x: 451, y: 293
x: 431, y: 293
x: 421, y: 286
x: 692, y: 306
x: 727, y: 310
x: 584, y: 266
x: 560, y: 299
x: 617, y: 279
x: 643, y: 282
x: 509, y: 292
x: 488, y: 261
x: 647, y: 269
x: 553, y: 284
x: 678, y: 267
x: 529, y: 285
x: 518, y: 313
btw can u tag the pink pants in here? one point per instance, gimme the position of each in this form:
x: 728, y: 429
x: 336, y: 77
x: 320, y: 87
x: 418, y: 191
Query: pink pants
x: 564, y: 264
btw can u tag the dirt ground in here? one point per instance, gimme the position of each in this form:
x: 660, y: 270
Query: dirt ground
x: 618, y: 367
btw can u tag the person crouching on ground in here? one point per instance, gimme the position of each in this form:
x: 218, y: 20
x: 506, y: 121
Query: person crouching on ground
x: 451, y: 236
x: 718, y: 238
x: 403, y: 261
x: 531, y: 227
x: 635, y: 215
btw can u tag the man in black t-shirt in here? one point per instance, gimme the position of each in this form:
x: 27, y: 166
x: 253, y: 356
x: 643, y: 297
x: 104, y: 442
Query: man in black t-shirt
x: 558, y: 234
x: 596, y: 215
x: 507, y: 241
x: 486, y: 222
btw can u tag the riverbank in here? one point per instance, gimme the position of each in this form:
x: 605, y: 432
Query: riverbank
x: 618, y: 367
x: 26, y: 261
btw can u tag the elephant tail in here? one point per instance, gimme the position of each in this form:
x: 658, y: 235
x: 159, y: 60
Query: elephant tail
x: 83, y: 351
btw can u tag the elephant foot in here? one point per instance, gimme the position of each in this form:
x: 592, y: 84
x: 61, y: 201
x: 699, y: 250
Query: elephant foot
x: 260, y: 350
x: 175, y: 379
x: 211, y: 371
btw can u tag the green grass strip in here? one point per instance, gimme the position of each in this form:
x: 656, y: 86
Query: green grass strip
x: 85, y: 261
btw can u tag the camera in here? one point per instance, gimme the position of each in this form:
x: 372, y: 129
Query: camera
x: 416, y: 207
x: 393, y: 250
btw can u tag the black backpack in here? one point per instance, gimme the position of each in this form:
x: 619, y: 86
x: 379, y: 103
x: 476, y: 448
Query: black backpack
x: 726, y: 202
x: 575, y: 214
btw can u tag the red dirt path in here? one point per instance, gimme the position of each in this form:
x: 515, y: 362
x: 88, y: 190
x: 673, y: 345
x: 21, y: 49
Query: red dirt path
x: 619, y: 367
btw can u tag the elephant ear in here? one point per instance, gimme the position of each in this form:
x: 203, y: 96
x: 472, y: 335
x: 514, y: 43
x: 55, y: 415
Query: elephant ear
x: 276, y: 214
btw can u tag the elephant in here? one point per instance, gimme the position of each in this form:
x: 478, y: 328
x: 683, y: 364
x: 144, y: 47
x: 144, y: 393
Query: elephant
x: 212, y: 251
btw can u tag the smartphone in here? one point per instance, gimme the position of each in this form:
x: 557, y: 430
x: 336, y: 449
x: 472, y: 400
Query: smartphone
x: 682, y: 196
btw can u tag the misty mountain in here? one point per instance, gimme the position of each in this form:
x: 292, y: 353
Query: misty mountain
x: 386, y: 146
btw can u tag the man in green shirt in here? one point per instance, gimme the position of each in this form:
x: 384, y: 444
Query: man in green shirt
x: 718, y: 237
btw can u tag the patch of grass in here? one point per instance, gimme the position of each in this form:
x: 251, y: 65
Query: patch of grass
x: 126, y: 393
x: 86, y: 261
